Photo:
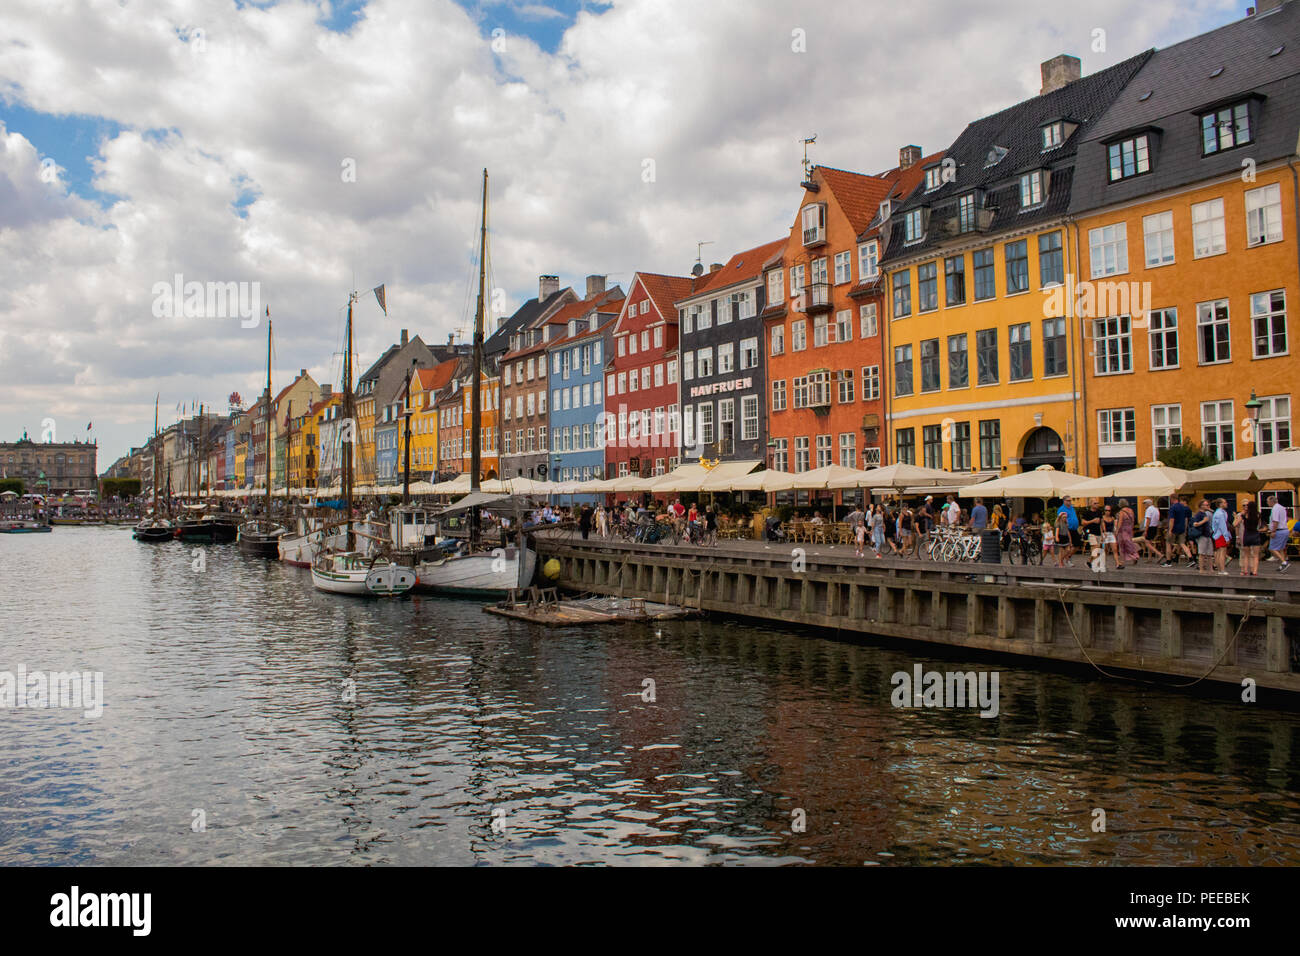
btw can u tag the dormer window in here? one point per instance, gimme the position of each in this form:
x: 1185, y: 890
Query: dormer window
x: 933, y: 178
x: 814, y: 223
x: 914, y: 226
x: 1033, y: 189
x: 591, y: 322
x: 966, y: 213
x: 1053, y: 135
x: 1129, y: 157
x: 995, y: 156
x: 1225, y: 128
x: 573, y: 327
x: 885, y: 210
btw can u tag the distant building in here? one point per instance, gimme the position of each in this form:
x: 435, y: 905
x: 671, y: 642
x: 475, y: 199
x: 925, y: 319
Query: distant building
x: 50, y: 467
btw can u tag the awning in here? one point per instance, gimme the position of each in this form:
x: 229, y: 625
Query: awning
x: 693, y: 477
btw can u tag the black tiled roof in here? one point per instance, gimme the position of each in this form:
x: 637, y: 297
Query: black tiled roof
x: 499, y: 341
x: 1018, y: 130
x: 1178, y: 82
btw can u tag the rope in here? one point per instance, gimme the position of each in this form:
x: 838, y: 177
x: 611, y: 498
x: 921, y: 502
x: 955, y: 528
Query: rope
x: 1215, y: 666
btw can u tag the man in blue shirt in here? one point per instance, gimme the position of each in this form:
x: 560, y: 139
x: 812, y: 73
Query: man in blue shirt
x: 1179, y: 515
x: 979, y: 516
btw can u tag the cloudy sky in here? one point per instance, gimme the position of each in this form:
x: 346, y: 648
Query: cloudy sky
x: 312, y: 148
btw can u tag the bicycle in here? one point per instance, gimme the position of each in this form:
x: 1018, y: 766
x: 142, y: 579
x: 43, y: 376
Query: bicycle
x: 1025, y: 546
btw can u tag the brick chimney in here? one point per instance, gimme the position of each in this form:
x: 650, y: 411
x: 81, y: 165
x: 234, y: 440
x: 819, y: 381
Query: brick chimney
x: 714, y: 267
x: 302, y: 373
x: 1058, y: 71
x: 909, y: 156
x: 326, y: 392
x: 595, y: 285
x: 547, y: 286
x: 403, y: 336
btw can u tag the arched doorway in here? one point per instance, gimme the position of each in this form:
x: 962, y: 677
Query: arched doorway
x: 1043, y: 446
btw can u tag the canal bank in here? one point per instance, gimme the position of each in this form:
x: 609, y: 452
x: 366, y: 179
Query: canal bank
x: 1175, y: 626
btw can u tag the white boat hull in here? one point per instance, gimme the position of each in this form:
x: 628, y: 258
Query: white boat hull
x: 480, y: 573
x: 381, y: 580
x: 300, y: 550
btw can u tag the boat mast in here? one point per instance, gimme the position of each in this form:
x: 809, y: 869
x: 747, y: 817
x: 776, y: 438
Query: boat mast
x: 267, y: 416
x: 475, y: 400
x: 406, y: 468
x: 348, y: 424
x: 155, y: 455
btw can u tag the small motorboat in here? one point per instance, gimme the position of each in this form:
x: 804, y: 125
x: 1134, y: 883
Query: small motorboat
x: 360, y: 574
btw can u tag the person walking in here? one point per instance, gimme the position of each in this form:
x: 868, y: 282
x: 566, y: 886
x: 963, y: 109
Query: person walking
x: 979, y: 516
x: 1073, y: 541
x: 1248, y: 533
x: 1150, y: 525
x: 1220, y: 536
x: 1278, y: 532
x: 584, y: 521
x: 878, y: 530
x: 1176, y: 535
x: 1125, y: 547
x: 710, y: 528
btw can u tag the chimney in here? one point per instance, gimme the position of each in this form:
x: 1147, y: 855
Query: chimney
x: 714, y: 267
x: 1266, y: 6
x: 595, y: 285
x: 1058, y: 71
x: 326, y: 392
x: 302, y: 373
x: 547, y: 286
x: 909, y: 156
x: 403, y: 336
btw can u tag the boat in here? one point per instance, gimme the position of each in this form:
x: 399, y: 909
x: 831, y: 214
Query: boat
x: 23, y: 526
x: 262, y: 535
x: 154, y: 528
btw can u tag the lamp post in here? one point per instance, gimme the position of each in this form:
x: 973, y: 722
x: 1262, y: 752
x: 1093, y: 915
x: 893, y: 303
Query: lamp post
x: 1252, y: 409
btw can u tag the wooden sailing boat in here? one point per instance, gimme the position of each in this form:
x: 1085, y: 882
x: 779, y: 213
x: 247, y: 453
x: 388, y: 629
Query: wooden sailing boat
x: 262, y: 535
x: 154, y: 527
x: 347, y: 570
x: 471, y: 569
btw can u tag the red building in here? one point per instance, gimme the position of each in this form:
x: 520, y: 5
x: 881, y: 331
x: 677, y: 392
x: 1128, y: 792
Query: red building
x: 641, y: 395
x: 822, y: 320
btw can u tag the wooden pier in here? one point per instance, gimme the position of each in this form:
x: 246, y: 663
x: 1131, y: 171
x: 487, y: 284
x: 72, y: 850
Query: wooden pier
x: 1178, y: 626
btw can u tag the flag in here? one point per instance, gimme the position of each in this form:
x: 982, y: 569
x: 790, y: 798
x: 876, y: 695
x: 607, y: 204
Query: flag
x: 379, y: 295
x: 88, y: 424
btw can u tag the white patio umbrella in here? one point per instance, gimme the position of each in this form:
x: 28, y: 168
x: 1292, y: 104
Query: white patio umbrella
x: 1153, y: 478
x: 1249, y: 474
x: 833, y: 477
x: 768, y: 481
x: 1043, y: 482
x: 899, y: 475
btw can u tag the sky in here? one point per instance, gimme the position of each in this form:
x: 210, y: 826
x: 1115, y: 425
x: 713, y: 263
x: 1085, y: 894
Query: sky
x: 288, y: 152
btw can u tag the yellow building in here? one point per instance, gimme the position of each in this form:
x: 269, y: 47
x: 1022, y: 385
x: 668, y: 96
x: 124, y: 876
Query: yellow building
x: 424, y: 419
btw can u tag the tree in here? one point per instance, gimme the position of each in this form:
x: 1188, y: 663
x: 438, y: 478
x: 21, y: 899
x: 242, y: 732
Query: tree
x: 119, y: 487
x: 1188, y: 456
x: 13, y: 484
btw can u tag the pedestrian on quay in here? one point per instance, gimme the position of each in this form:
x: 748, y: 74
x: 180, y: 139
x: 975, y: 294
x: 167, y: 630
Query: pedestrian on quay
x: 710, y: 527
x: 1176, y: 533
x: 1247, y: 528
x: 1125, y: 546
x: 1278, y: 532
x: 878, y: 530
x: 584, y: 521
x: 924, y: 525
x: 1200, y: 531
x: 906, y: 537
x: 1220, y: 535
x: 1072, y: 541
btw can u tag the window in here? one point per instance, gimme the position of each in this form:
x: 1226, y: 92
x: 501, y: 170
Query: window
x: 801, y: 453
x: 705, y: 412
x: 819, y: 271
x: 796, y: 279
x: 845, y: 380
x: 726, y: 357
x: 905, y: 446
x: 776, y: 339
x: 1116, y: 426
x: 703, y: 317
x: 1217, y: 430
x: 688, y: 426
x: 913, y: 231
x: 1053, y: 135
x: 958, y: 362
x: 1128, y: 158
x: 930, y: 365
x: 961, y: 446
x: 814, y: 223
x: 645, y: 340
x: 1213, y: 332
x: 1020, y: 352
x: 798, y: 335
x: 932, y: 446
x: 867, y: 320
x: 870, y: 383
x: 902, y: 294
x: 954, y: 271
x: 990, y: 444
x: 984, y: 281
x: 820, y: 335
x: 902, y: 370
x: 848, y: 450
x: 823, y: 451
x: 672, y: 373
x: 778, y: 395
x: 966, y: 219
x: 749, y: 418
x: 1225, y: 128
x: 1017, y: 256
x: 659, y: 374
x: 1158, y: 237
x: 843, y: 267
x: 775, y: 287
x: 1108, y: 250
x: 748, y: 353
x: 844, y: 325
x: 927, y: 287
x: 1051, y: 264
x: 868, y: 260
x: 726, y: 309
x: 704, y: 362
x: 1113, y: 350
x: 1268, y: 323
x: 1054, y: 360
x: 933, y: 178
x: 986, y: 356
x: 1263, y: 215
x: 1273, y: 430
x: 1166, y: 427
x: 1031, y: 189
x: 688, y: 366
x: 781, y: 455
x: 1162, y: 334
x: 1209, y: 238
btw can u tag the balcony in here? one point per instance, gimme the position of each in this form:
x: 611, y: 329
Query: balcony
x: 815, y: 299
x: 813, y: 218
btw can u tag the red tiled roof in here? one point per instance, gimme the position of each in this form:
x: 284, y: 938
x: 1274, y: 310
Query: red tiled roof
x: 609, y: 302
x: 739, y: 268
x: 665, y: 292
x: 438, y: 376
x: 859, y: 195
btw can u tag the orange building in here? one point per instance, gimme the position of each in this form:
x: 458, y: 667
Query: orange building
x: 1186, y: 228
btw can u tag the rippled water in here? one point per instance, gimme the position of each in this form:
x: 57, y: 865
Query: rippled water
x: 225, y: 693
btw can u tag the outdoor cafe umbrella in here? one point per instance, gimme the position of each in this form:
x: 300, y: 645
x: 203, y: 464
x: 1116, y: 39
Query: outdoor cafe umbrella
x: 768, y: 481
x: 1043, y: 482
x: 833, y: 477
x: 900, y: 475
x: 1154, y: 479
x: 1249, y: 474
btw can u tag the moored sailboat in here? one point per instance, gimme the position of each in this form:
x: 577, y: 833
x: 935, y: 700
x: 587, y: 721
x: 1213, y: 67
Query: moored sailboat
x: 154, y: 528
x: 262, y: 535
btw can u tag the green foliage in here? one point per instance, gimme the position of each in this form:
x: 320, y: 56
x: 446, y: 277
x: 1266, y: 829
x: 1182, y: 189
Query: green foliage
x: 1187, y: 456
x: 119, y: 487
x: 13, y: 484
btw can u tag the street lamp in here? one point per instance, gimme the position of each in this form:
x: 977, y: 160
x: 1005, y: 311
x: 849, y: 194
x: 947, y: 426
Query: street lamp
x: 1252, y: 408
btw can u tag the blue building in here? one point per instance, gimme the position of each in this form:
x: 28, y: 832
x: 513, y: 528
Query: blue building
x: 577, y: 379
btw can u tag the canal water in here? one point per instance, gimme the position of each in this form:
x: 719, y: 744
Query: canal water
x: 249, y: 719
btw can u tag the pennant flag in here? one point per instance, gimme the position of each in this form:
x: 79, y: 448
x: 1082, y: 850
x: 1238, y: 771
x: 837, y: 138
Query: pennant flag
x: 88, y: 424
x: 379, y: 295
